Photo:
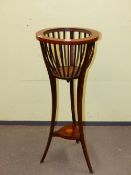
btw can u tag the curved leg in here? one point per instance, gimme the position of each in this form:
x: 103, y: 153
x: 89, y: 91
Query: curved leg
x: 54, y: 105
x: 79, y: 108
x: 72, y: 100
x: 72, y: 103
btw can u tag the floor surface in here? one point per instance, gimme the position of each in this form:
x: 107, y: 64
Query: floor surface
x: 21, y: 148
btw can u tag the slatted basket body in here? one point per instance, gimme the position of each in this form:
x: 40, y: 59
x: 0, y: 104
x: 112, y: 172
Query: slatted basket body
x: 67, y: 51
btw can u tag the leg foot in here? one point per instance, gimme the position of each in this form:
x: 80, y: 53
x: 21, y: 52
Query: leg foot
x: 77, y: 141
x: 86, y: 154
x: 46, y: 149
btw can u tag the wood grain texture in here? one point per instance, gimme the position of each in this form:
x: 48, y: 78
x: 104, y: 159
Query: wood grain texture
x: 70, y: 132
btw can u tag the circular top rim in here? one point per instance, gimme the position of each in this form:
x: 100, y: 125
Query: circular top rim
x: 94, y: 35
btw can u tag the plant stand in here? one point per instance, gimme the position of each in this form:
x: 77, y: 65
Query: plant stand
x: 67, y: 53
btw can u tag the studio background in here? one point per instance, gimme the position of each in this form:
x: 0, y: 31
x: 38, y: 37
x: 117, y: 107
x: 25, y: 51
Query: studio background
x: 24, y: 85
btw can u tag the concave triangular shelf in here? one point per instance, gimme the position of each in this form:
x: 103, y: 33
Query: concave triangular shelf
x: 68, y: 132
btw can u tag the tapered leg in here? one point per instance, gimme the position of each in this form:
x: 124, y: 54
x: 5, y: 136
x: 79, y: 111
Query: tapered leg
x: 54, y: 105
x: 79, y: 108
x: 72, y: 101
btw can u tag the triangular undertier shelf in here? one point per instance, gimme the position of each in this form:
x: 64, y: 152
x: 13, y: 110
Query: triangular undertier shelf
x: 68, y: 132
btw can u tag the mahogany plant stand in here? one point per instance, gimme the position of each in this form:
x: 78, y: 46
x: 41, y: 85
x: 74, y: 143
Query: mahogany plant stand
x: 67, y: 53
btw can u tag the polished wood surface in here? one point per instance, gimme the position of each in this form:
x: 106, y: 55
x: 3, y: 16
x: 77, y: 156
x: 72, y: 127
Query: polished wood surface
x: 90, y: 35
x: 67, y: 53
x: 70, y: 132
x: 67, y: 73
